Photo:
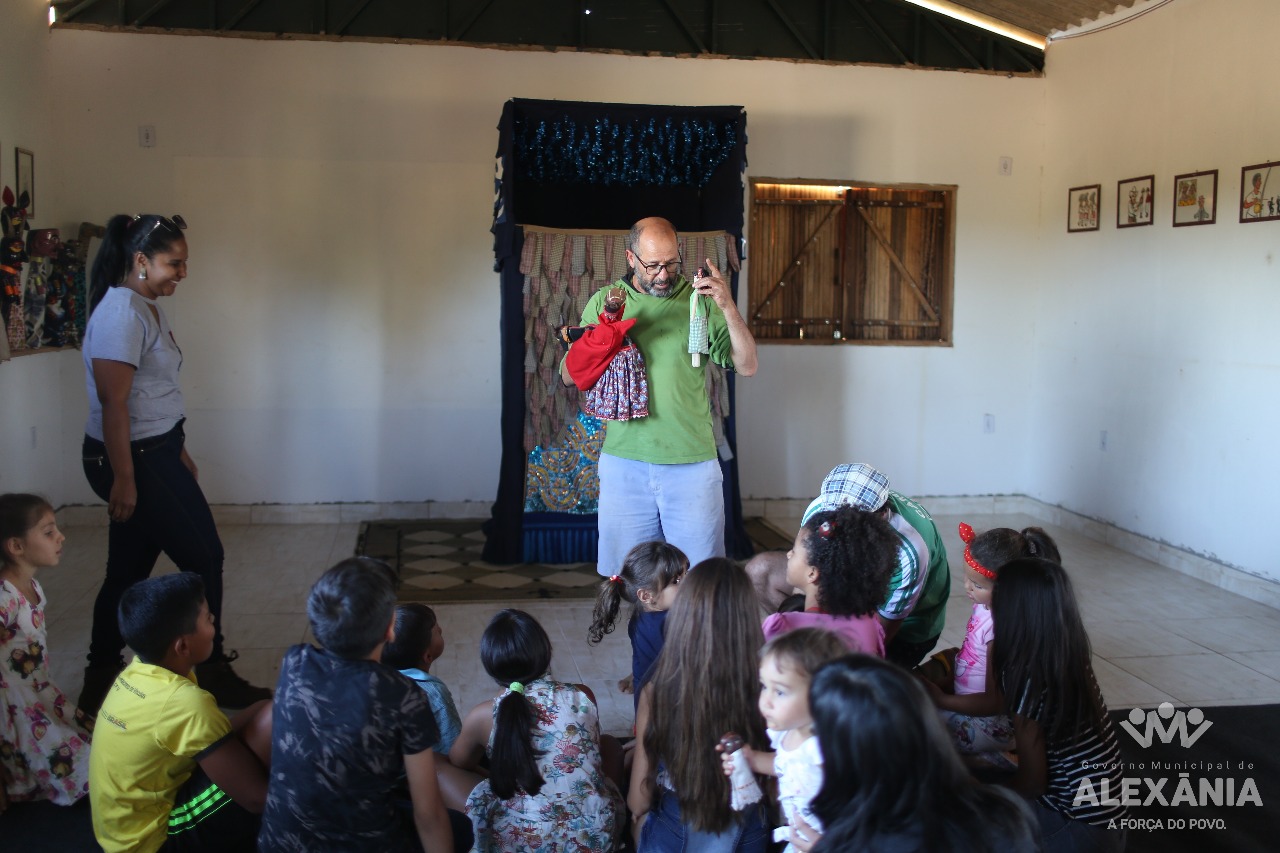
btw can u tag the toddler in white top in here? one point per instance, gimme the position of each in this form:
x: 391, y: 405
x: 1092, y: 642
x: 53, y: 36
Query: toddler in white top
x: 787, y: 665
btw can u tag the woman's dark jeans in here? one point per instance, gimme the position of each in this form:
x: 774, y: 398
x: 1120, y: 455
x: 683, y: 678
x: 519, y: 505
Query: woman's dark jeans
x: 171, y: 516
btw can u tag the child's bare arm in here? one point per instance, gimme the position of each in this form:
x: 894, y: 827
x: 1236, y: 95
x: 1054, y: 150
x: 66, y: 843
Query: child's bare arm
x: 429, y: 816
x: 970, y: 704
x: 468, y: 749
x: 640, y: 792
x: 1032, y: 778
x: 234, y: 768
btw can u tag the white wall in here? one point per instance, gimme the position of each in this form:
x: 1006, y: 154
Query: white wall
x: 1164, y: 337
x: 340, y: 321
x: 32, y: 388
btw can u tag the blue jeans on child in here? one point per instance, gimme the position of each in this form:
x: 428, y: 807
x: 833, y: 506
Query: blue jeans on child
x: 171, y: 516
x: 665, y: 832
x: 682, y: 505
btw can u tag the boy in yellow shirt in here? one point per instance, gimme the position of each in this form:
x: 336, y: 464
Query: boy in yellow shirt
x: 167, y: 770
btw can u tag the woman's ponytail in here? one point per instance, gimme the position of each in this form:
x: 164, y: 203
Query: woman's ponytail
x: 112, y: 261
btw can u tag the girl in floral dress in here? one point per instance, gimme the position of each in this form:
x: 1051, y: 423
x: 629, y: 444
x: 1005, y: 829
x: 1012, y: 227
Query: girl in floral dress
x: 547, y: 789
x: 44, y: 740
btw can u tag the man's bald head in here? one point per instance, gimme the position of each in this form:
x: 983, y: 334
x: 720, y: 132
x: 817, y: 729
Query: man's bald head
x: 653, y: 241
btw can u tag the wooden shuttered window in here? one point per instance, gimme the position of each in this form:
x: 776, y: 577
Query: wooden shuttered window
x: 838, y: 262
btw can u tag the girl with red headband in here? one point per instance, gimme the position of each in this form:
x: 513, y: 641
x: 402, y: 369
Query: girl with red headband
x: 959, y: 679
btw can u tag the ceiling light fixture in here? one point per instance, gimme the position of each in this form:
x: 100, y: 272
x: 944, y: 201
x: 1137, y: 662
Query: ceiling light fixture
x: 986, y: 22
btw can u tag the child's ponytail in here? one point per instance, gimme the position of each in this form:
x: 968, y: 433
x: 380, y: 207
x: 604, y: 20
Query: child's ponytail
x: 608, y: 602
x: 514, y: 760
x: 1041, y: 544
x: 515, y: 651
x: 651, y: 566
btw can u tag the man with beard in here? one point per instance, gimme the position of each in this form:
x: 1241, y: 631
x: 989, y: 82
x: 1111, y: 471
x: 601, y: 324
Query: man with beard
x: 660, y: 477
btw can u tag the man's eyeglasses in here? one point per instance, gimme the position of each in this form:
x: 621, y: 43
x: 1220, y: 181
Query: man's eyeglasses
x: 672, y: 267
x: 173, y: 223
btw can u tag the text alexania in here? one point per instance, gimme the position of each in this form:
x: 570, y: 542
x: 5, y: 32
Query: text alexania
x: 1146, y: 791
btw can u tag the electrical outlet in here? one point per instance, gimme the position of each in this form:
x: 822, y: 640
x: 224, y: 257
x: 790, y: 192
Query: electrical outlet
x: 1006, y: 166
x: 988, y: 423
x: 1102, y: 440
x: 147, y: 136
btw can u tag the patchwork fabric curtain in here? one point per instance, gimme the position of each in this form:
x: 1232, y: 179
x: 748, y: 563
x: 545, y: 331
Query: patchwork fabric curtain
x: 562, y: 269
x: 570, y: 179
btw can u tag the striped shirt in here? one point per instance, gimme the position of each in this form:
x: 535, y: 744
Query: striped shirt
x: 1087, y: 756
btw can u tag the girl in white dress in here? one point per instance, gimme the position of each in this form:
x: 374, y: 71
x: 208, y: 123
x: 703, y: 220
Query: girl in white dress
x: 44, y: 740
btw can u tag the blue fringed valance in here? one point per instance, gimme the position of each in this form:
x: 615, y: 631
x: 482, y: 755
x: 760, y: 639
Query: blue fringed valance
x: 626, y: 151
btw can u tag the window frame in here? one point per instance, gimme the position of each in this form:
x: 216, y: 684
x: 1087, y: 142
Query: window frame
x: 760, y: 291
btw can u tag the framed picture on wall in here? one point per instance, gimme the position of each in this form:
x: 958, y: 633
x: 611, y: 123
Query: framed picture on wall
x: 1082, y: 208
x: 1134, y: 201
x: 1260, y: 192
x: 1195, y: 198
x: 24, y: 169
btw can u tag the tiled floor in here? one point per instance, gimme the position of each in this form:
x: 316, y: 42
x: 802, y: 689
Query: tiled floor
x: 1157, y: 635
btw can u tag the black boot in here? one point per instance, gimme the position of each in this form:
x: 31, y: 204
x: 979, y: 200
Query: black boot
x: 229, y: 689
x: 98, y: 680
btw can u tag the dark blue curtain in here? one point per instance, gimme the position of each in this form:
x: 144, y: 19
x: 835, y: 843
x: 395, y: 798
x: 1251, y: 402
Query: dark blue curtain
x: 566, y: 164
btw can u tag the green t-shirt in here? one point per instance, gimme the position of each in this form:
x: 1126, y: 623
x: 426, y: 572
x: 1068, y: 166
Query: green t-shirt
x: 678, y: 428
x: 929, y: 614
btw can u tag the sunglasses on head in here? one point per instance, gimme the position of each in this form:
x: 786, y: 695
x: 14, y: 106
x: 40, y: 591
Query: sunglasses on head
x: 173, y: 223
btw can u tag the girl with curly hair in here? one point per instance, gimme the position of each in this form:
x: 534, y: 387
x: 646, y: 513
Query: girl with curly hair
x: 842, y: 561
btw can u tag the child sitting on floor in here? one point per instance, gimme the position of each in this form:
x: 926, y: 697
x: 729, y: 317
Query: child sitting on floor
x: 417, y: 643
x: 346, y: 730
x: 959, y: 680
x: 649, y: 580
x: 44, y: 740
x: 787, y: 665
x: 167, y: 768
x: 1043, y: 665
x: 841, y: 561
x: 548, y: 787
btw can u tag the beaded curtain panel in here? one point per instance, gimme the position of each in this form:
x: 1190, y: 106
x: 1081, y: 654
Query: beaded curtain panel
x: 440, y: 562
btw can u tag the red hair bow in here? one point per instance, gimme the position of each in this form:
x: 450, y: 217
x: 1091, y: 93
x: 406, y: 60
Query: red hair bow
x: 967, y: 536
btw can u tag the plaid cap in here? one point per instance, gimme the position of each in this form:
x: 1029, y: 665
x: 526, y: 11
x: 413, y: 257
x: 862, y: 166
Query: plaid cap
x: 854, y: 483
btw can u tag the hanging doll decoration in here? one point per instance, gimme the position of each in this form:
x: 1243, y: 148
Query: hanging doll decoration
x: 606, y: 365
x: 13, y: 254
x: 60, y: 319
x: 43, y: 296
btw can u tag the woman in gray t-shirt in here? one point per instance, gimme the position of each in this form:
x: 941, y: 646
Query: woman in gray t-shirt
x: 134, y: 450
